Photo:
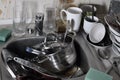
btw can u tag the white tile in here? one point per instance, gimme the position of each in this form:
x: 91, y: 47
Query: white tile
x: 8, y: 11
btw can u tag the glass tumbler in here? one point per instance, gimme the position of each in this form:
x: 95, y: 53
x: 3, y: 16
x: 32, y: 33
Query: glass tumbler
x: 23, y: 14
x: 50, y: 18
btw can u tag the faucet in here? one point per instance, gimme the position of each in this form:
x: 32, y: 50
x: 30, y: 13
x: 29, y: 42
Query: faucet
x: 37, y: 27
x: 39, y: 24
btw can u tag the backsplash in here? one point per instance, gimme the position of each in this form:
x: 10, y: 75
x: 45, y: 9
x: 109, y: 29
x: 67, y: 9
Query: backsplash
x: 6, y: 6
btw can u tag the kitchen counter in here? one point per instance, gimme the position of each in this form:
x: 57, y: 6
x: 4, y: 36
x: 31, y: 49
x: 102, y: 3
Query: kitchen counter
x: 90, y: 52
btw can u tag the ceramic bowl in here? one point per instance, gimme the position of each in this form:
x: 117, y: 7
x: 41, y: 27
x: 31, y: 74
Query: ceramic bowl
x: 102, y: 45
x: 97, y: 33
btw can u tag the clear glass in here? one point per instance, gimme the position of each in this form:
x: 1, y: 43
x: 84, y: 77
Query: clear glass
x: 50, y: 18
x: 23, y: 14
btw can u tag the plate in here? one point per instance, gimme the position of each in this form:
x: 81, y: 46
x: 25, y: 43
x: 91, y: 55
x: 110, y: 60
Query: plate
x: 112, y: 24
x: 115, y: 50
x: 114, y: 40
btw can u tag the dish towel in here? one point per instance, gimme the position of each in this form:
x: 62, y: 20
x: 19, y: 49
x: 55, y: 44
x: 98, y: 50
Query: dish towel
x: 94, y: 74
x: 4, y: 34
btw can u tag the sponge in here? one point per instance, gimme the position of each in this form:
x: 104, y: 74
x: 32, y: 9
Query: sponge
x: 97, y: 75
x: 4, y: 34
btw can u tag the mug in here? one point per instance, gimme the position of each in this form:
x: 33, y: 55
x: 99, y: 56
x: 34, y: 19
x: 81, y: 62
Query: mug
x: 89, y: 23
x: 74, y: 15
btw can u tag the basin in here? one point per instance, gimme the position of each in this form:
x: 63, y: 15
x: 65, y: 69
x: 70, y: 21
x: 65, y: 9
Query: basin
x: 18, y: 48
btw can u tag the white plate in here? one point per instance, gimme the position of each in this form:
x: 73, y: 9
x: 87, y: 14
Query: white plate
x: 114, y: 30
x: 115, y: 50
x: 117, y: 38
x: 117, y: 46
x: 97, y: 33
x: 114, y: 40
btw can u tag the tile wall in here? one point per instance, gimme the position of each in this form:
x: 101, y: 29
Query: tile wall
x: 6, y: 6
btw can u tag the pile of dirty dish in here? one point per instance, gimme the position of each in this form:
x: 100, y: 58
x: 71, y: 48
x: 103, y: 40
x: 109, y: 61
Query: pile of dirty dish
x: 113, y: 21
x: 97, y: 32
x: 97, y: 35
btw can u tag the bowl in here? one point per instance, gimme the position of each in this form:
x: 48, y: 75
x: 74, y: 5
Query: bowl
x: 97, y: 33
x: 102, y: 45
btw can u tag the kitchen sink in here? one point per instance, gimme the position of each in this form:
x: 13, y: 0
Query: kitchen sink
x: 17, y: 48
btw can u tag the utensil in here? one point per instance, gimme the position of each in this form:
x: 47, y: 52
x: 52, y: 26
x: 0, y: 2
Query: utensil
x: 34, y: 51
x: 92, y: 12
x: 69, y: 36
x: 67, y: 29
x: 34, y: 67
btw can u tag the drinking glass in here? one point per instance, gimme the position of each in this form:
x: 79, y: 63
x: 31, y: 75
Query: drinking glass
x: 50, y: 18
x: 23, y: 14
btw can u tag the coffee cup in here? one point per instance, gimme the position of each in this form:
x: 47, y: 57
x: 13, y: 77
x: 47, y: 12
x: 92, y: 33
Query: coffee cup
x: 89, y: 23
x: 74, y: 15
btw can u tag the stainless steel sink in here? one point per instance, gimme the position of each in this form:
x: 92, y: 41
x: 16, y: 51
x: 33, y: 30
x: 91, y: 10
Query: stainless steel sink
x: 18, y: 48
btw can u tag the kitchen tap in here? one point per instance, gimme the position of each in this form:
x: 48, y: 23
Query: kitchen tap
x: 39, y: 24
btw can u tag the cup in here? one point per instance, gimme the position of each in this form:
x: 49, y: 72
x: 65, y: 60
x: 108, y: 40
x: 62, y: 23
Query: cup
x: 22, y: 16
x: 74, y: 15
x: 99, y: 36
x: 50, y: 18
x: 89, y: 23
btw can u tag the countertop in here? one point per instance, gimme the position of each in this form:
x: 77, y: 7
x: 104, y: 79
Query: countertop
x: 90, y: 51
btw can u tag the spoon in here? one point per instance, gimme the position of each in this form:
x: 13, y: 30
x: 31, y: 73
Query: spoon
x: 92, y: 12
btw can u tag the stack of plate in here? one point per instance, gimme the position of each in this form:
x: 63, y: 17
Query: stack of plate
x: 114, y: 28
